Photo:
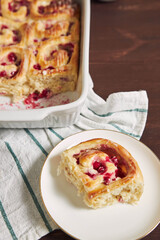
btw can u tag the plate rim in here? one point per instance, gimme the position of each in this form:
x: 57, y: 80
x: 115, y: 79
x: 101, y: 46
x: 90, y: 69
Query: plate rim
x: 81, y: 132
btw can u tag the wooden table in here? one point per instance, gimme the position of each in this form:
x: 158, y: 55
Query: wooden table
x: 125, y: 56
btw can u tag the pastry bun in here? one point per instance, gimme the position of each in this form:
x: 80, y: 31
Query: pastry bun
x: 54, y: 66
x: 49, y: 9
x: 13, y: 69
x: 104, y: 172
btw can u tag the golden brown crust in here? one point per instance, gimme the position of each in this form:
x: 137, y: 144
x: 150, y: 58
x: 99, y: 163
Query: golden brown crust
x: 106, y: 172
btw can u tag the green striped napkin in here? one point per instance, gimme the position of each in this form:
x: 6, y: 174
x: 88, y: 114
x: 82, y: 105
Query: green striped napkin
x: 23, y: 152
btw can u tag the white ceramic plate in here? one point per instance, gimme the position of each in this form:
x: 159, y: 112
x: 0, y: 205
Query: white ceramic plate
x: 117, y: 222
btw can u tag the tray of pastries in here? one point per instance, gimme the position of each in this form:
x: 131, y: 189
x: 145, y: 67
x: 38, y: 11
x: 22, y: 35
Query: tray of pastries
x: 43, y: 47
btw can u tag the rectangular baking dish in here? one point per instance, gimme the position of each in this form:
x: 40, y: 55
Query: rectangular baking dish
x: 61, y: 115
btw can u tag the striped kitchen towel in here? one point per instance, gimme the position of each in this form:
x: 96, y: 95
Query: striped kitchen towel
x: 23, y: 152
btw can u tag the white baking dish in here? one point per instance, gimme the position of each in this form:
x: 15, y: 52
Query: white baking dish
x: 61, y: 115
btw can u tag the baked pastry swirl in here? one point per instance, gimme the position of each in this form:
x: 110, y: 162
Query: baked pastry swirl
x: 40, y: 31
x: 12, y: 33
x: 47, y: 42
x: 53, y: 65
x: 13, y: 68
x: 49, y: 9
x: 17, y: 10
x: 104, y: 171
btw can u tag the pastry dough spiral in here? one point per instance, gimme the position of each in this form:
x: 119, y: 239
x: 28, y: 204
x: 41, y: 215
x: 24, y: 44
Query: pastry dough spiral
x: 104, y: 171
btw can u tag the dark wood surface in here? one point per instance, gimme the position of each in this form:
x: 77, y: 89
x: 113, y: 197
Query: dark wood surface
x: 125, y: 56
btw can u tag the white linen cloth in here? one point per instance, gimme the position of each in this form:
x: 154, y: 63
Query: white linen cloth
x: 23, y: 152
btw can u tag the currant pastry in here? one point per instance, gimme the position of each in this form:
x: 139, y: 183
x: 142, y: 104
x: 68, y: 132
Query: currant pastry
x: 15, y: 9
x: 47, y: 29
x: 56, y: 10
x: 13, y: 68
x: 12, y: 33
x: 54, y: 65
x: 104, y: 171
